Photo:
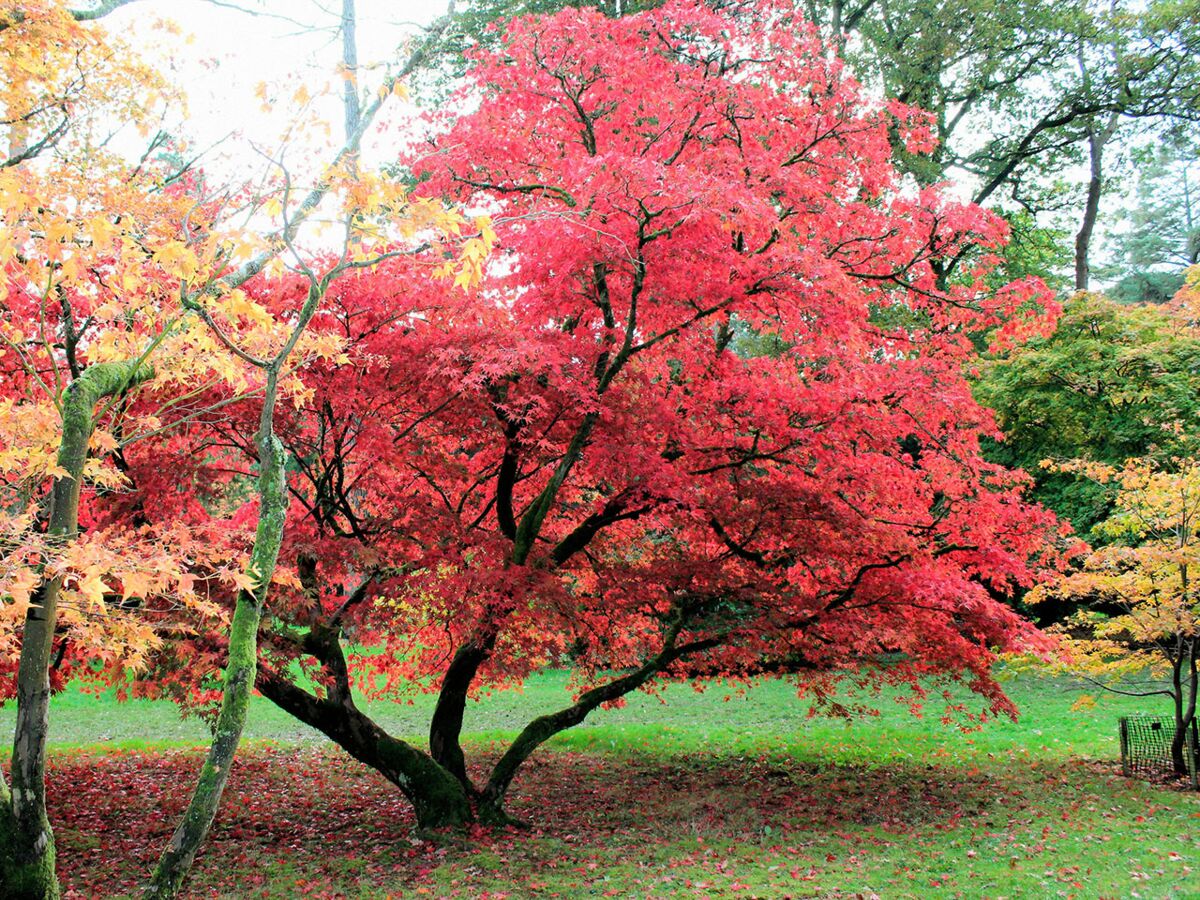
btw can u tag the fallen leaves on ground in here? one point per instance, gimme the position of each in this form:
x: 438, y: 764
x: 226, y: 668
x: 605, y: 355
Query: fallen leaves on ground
x: 304, y: 822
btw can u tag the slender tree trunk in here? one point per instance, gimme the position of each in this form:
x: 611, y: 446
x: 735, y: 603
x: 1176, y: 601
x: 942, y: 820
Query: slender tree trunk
x: 242, y: 664
x: 351, y: 106
x: 1097, y: 140
x: 1179, y: 736
x: 27, y: 859
x: 1185, y: 709
x: 1179, y: 748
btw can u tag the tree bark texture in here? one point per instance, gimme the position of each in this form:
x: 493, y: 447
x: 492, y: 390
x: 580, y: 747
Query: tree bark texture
x: 1097, y: 140
x: 27, y: 857
x: 240, y: 669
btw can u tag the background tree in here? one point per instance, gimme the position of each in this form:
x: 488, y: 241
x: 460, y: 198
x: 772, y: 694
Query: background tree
x: 1111, y: 383
x: 1157, y: 235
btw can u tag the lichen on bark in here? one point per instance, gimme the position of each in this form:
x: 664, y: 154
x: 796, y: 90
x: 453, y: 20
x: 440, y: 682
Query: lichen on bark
x: 240, y: 669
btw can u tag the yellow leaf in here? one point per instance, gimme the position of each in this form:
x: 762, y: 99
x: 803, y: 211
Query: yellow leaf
x: 103, y: 441
x: 134, y: 584
x: 177, y: 259
x: 286, y: 578
x: 243, y: 581
x: 93, y: 588
x: 101, y: 231
x: 19, y: 587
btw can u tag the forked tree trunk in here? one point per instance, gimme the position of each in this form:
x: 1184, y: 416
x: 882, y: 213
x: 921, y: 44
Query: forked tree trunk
x: 437, y: 797
x: 1184, y: 676
x: 27, y: 859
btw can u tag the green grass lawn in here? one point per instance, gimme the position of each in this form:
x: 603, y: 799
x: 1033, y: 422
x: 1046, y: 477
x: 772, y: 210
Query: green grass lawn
x: 766, y: 716
x: 702, y: 796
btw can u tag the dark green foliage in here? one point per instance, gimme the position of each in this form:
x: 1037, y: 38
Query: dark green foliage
x: 481, y: 23
x: 1034, y: 250
x: 1147, y: 287
x: 476, y: 18
x: 1157, y: 233
x: 1112, y: 382
x: 749, y: 344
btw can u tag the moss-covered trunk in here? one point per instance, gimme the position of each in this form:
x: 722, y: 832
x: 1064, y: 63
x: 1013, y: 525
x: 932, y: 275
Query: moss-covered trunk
x: 242, y: 664
x: 27, y: 859
x: 438, y: 798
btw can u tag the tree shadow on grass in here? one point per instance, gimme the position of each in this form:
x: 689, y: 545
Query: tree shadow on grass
x: 735, y: 796
x: 307, y: 822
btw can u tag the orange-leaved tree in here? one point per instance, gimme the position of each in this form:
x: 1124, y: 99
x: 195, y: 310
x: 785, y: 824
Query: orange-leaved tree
x: 88, y: 247
x: 123, y: 277
x: 1137, y: 631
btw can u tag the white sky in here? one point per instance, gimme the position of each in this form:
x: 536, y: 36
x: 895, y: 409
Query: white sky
x: 221, y: 56
x: 284, y: 43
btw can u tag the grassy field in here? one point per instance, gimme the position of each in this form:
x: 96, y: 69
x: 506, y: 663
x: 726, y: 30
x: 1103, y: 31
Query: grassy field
x: 768, y: 716
x: 737, y: 797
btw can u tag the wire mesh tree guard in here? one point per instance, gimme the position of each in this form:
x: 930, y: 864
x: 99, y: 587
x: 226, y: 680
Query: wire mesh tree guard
x: 1146, y: 749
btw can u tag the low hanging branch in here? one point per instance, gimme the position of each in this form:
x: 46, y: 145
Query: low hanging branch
x: 545, y: 727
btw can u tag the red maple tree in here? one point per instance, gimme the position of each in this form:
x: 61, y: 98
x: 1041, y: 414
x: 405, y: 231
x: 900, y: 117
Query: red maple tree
x: 705, y: 415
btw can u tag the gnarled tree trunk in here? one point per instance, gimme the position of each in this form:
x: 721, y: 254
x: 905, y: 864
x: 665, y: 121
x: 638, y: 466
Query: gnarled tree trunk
x: 440, y: 795
x: 437, y: 796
